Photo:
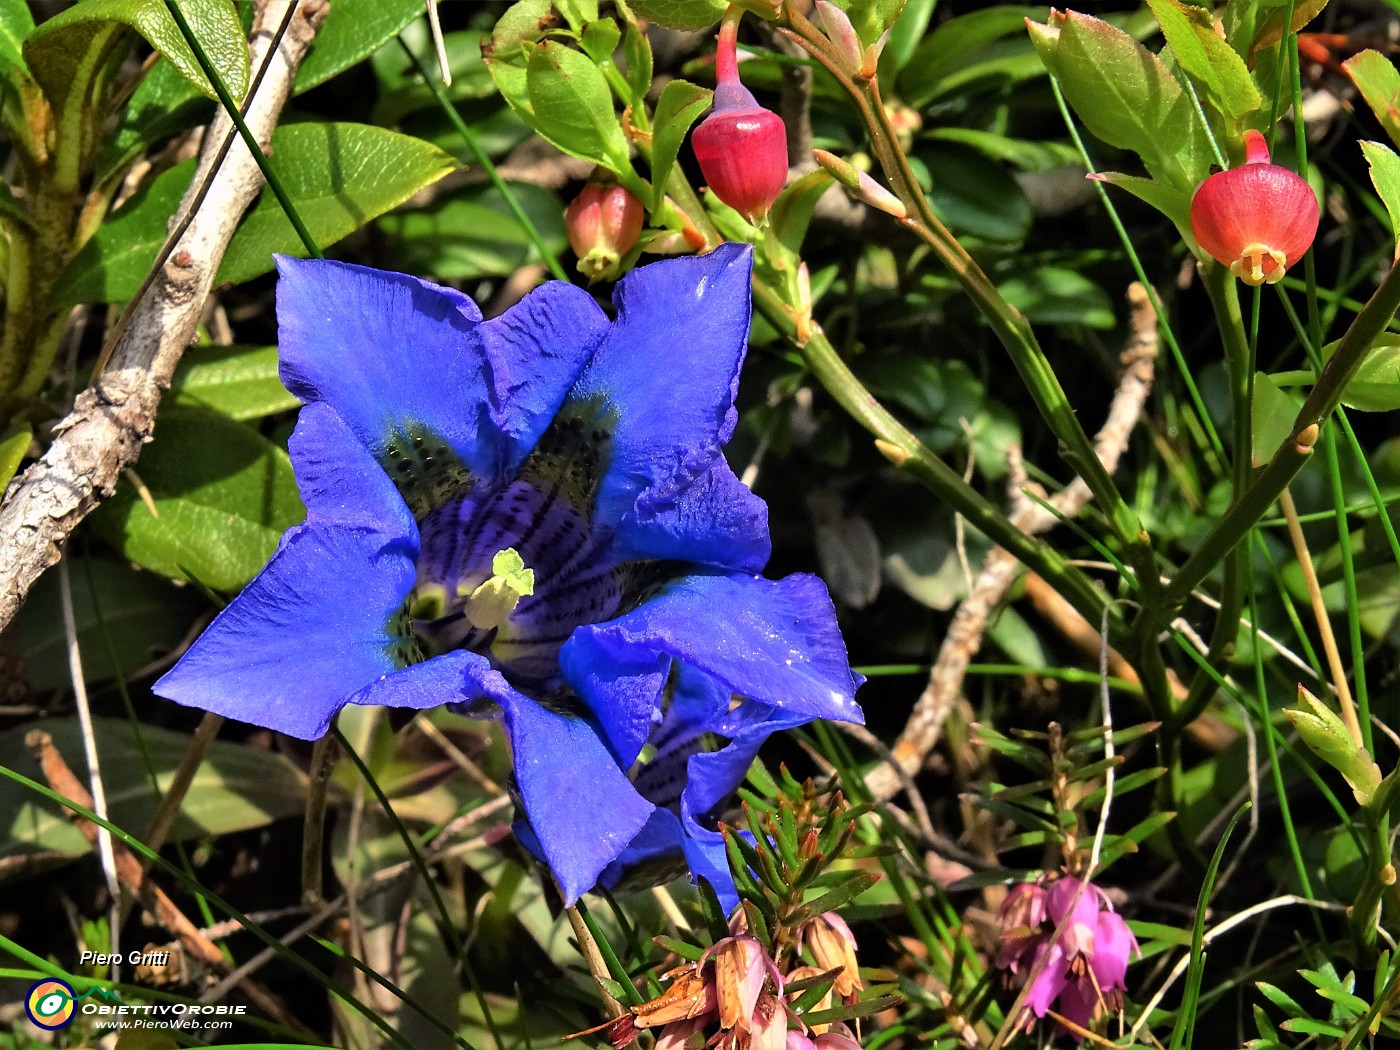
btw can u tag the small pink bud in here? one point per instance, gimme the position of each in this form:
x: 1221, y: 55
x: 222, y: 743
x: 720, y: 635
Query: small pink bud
x: 840, y: 32
x: 603, y: 223
x: 741, y: 147
x: 1258, y: 219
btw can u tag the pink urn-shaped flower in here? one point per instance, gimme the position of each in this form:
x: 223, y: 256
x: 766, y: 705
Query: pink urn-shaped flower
x: 603, y: 224
x: 741, y: 147
x: 1258, y: 219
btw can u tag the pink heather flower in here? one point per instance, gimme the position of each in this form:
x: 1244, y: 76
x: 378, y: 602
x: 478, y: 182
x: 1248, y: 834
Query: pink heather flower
x: 833, y: 947
x: 1081, y: 975
x: 741, y: 965
x: 1020, y: 917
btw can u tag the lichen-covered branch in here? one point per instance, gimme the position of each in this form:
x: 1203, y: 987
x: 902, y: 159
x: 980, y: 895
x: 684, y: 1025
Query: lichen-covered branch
x: 112, y: 419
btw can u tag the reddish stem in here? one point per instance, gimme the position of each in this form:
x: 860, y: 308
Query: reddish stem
x: 726, y: 56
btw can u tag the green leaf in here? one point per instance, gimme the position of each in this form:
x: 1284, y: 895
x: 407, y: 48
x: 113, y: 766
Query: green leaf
x: 142, y: 614
x: 1171, y: 201
x: 1376, y: 385
x: 472, y: 233
x: 236, y: 788
x: 16, y: 23
x: 223, y: 493
x: 402, y: 90
x: 1126, y: 96
x: 59, y: 48
x: 1379, y: 83
x: 163, y: 104
x: 111, y: 266
x: 979, y: 197
x: 636, y: 51
x: 908, y: 30
x: 1385, y: 176
x: 687, y: 15
x: 1054, y: 295
x: 1252, y: 25
x: 679, y: 106
x: 13, y: 445
x: 1274, y: 412
x: 792, y: 211
x: 949, y: 55
x: 573, y: 107
x: 1190, y: 31
x: 599, y: 39
x: 353, y: 30
x: 339, y: 177
x: 242, y: 382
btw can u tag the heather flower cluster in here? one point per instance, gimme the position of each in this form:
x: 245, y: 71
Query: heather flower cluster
x: 531, y: 519
x: 1081, y: 973
x: 736, y: 998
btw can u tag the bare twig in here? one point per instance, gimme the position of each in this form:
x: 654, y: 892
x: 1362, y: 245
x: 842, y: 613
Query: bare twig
x: 1000, y: 569
x: 114, y: 417
x: 99, y: 790
x: 193, y: 940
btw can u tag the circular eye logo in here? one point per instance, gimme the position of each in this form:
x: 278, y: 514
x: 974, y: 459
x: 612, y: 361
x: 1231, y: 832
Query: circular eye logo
x: 49, y: 1004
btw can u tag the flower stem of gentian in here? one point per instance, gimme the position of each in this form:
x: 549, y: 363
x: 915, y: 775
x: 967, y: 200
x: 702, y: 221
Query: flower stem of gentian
x: 249, y: 139
x: 313, y: 827
x: 469, y: 137
x: 907, y: 452
x: 603, y: 963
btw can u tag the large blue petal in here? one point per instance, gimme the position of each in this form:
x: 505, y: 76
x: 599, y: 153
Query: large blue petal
x: 314, y: 627
x: 341, y: 483
x: 773, y: 641
x: 397, y: 356
x: 580, y: 805
x: 440, y: 680
x: 703, y: 515
x: 662, y: 384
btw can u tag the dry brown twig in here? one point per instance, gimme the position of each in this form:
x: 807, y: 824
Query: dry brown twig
x: 136, y: 882
x: 112, y: 419
x: 1000, y: 569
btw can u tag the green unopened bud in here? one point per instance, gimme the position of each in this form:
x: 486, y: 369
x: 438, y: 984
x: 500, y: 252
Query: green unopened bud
x: 492, y: 602
x: 1328, y: 737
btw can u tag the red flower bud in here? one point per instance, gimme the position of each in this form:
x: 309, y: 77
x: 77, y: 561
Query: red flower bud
x: 604, y: 223
x: 741, y: 147
x: 1258, y: 219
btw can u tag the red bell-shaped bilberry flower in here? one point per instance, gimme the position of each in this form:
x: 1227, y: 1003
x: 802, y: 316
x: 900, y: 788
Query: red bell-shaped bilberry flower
x: 1258, y: 219
x: 603, y: 223
x: 741, y: 147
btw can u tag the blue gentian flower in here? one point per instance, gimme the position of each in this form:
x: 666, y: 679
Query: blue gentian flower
x: 530, y: 518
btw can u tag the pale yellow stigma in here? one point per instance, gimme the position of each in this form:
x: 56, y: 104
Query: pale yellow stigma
x: 490, y: 605
x: 1249, y: 267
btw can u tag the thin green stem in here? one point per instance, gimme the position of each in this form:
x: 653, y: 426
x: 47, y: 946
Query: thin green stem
x: 908, y: 453
x: 1224, y: 296
x: 1009, y: 324
x: 249, y: 139
x: 479, y: 155
x: 1256, y: 501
